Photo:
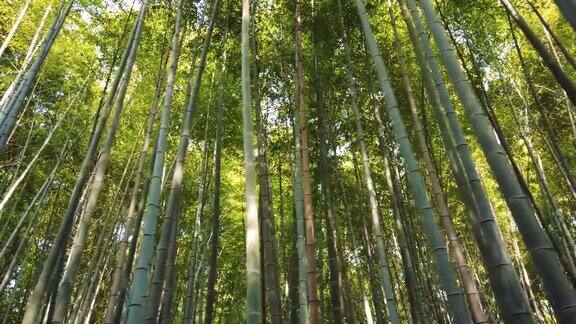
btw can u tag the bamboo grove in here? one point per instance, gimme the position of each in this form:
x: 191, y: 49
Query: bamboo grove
x: 287, y: 161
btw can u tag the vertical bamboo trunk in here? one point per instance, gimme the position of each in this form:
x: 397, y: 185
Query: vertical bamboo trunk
x: 201, y: 282
x: 159, y: 261
x: 41, y: 196
x: 106, y: 231
x: 140, y: 281
x: 549, y: 33
x: 271, y: 282
x: 14, y: 185
x: 136, y: 196
x: 35, y: 158
x: 383, y: 268
x: 127, y: 267
x: 417, y: 310
x: 65, y: 288
x: 555, y: 149
x: 486, y: 104
x: 20, y: 159
x: 166, y: 315
x: 253, y: 284
x: 375, y: 288
x: 86, y: 294
x: 212, y: 261
x: 8, y: 271
x: 552, y: 38
x: 313, y: 301
x: 356, y: 260
x: 525, y: 278
x: 555, y: 212
x: 32, y: 48
x: 343, y: 269
x: 365, y: 298
x: 14, y: 120
x: 324, y: 314
x: 384, y: 151
x: 303, y: 265
x: 172, y: 208
x: 13, y: 106
x: 74, y: 258
x: 189, y: 306
x: 334, y: 256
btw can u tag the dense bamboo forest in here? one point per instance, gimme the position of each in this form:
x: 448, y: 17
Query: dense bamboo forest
x: 287, y: 161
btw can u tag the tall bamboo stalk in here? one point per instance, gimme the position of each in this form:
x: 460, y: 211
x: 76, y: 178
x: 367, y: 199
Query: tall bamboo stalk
x: 215, y: 232
x: 191, y: 292
x: 15, y: 26
x: 36, y: 298
x: 334, y: 251
x: 468, y: 284
x: 303, y: 265
x: 503, y: 278
x: 313, y: 301
x: 253, y: 274
x: 559, y: 290
x: 137, y: 195
x: 13, y: 106
x: 547, y: 58
x: 457, y: 306
x: 384, y: 271
x: 544, y: 118
x: 267, y: 219
x: 159, y: 261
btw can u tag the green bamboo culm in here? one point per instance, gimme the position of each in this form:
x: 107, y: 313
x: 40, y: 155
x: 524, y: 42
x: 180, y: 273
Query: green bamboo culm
x: 385, y: 279
x: 253, y: 280
x: 558, y: 288
x: 265, y: 199
x: 217, y: 209
x: 141, y: 280
x: 303, y: 317
x: 503, y: 278
x: 547, y: 58
x: 65, y: 228
x: 153, y: 301
x: 139, y: 286
x: 456, y: 302
x: 13, y: 106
